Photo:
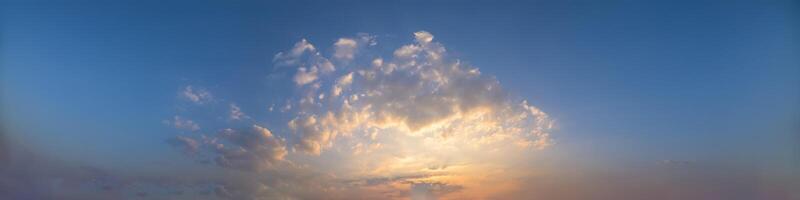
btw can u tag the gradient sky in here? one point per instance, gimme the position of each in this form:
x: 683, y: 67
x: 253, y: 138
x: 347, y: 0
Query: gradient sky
x: 648, y: 100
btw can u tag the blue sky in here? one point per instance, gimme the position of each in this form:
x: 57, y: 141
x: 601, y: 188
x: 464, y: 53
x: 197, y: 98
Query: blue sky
x: 707, y: 84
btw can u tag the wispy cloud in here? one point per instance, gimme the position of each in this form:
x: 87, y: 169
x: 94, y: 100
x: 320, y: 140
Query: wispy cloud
x: 196, y: 95
x: 189, y: 145
x: 183, y: 124
x: 235, y: 112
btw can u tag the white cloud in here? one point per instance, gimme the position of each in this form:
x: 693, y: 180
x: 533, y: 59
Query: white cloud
x: 292, y: 57
x: 309, y: 62
x: 235, y: 112
x: 342, y: 83
x: 196, y: 95
x: 305, y: 76
x: 326, y: 66
x: 345, y: 49
x: 423, y: 37
x: 407, y: 52
x: 377, y: 62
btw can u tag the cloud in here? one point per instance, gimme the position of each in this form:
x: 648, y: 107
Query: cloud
x: 188, y: 145
x: 342, y: 83
x: 418, y: 90
x: 423, y: 37
x: 235, y: 112
x: 432, y: 190
x: 309, y: 62
x: 183, y: 124
x: 414, y: 123
x: 416, y: 111
x: 305, y: 76
x: 254, y: 149
x: 345, y: 49
x: 27, y: 175
x: 196, y: 95
x: 293, y: 56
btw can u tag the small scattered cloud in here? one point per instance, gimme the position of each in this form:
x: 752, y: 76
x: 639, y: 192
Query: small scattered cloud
x: 251, y: 149
x: 183, y: 124
x: 293, y: 56
x: 235, y: 112
x: 342, y: 83
x: 423, y: 37
x: 189, y: 145
x: 308, y: 61
x: 196, y: 95
x: 345, y: 49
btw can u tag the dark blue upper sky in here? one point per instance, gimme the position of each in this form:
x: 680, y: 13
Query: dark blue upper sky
x: 627, y: 82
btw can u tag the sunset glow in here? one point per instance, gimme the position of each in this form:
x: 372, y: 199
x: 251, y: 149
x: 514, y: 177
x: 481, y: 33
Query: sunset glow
x: 399, y: 100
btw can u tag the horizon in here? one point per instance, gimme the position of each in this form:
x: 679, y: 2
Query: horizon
x: 399, y: 100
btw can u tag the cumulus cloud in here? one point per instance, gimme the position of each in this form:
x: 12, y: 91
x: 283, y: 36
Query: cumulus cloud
x: 418, y: 90
x: 345, y: 49
x: 341, y: 84
x: 252, y: 149
x: 196, y: 95
x: 423, y: 37
x: 305, y: 76
x: 414, y: 123
x: 309, y: 62
x: 293, y: 56
x: 417, y: 111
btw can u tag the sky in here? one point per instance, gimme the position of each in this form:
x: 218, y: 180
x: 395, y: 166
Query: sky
x: 399, y: 100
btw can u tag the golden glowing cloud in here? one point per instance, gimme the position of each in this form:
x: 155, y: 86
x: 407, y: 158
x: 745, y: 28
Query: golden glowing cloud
x: 417, y: 124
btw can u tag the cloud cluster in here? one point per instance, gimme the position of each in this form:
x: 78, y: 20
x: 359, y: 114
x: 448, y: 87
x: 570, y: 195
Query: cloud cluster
x: 253, y: 149
x: 411, y: 123
x: 418, y: 90
x: 345, y: 49
x: 310, y: 62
